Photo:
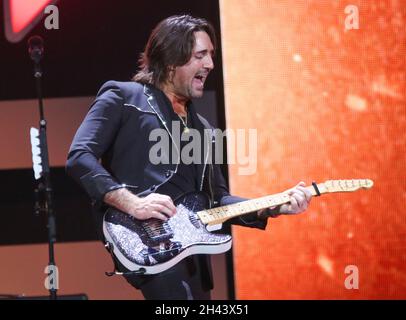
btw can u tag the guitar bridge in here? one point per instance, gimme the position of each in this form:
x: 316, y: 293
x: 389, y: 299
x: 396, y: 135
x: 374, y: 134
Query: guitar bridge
x: 161, y: 253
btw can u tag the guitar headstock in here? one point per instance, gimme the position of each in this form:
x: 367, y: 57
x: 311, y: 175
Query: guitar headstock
x: 348, y: 185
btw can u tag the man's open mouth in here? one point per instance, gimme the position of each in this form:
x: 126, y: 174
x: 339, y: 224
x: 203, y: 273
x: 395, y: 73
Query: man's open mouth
x: 200, y: 79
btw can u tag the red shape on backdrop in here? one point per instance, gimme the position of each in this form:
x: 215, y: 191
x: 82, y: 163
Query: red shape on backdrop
x: 20, y: 16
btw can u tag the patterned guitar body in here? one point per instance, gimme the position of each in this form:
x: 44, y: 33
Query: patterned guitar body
x: 152, y: 246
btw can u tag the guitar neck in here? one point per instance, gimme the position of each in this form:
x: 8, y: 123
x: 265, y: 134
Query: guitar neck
x: 221, y: 214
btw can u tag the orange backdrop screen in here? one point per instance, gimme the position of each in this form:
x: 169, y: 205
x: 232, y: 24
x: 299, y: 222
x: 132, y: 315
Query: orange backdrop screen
x: 323, y: 85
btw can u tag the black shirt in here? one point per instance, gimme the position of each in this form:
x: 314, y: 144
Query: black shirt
x: 185, y: 178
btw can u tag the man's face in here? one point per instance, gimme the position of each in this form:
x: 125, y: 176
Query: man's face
x: 188, y: 80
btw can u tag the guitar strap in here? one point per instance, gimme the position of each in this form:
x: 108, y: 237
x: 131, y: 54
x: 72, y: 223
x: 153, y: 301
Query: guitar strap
x: 314, y: 184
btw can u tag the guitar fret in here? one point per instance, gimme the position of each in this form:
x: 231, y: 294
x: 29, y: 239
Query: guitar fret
x: 250, y: 207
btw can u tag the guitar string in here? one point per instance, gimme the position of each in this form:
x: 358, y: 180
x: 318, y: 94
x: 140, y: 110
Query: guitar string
x: 162, y: 227
x: 250, y: 206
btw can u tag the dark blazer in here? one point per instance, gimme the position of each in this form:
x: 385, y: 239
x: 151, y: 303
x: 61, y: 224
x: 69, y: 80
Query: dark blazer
x: 116, y: 130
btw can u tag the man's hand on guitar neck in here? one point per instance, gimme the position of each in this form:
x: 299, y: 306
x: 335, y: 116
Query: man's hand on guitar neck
x: 300, y: 199
x: 154, y: 205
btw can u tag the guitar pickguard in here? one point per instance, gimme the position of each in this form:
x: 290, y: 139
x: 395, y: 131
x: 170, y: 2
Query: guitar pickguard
x: 182, y: 235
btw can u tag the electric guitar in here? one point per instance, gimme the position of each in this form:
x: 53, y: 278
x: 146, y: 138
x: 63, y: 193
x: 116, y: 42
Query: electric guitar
x: 152, y: 246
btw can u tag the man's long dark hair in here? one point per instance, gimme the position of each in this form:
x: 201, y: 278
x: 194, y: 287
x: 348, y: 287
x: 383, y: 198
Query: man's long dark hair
x: 170, y: 45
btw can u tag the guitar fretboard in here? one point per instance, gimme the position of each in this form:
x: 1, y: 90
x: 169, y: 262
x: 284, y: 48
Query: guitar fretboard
x: 219, y: 215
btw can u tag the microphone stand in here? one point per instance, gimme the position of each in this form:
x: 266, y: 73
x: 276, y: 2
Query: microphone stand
x: 44, y: 190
